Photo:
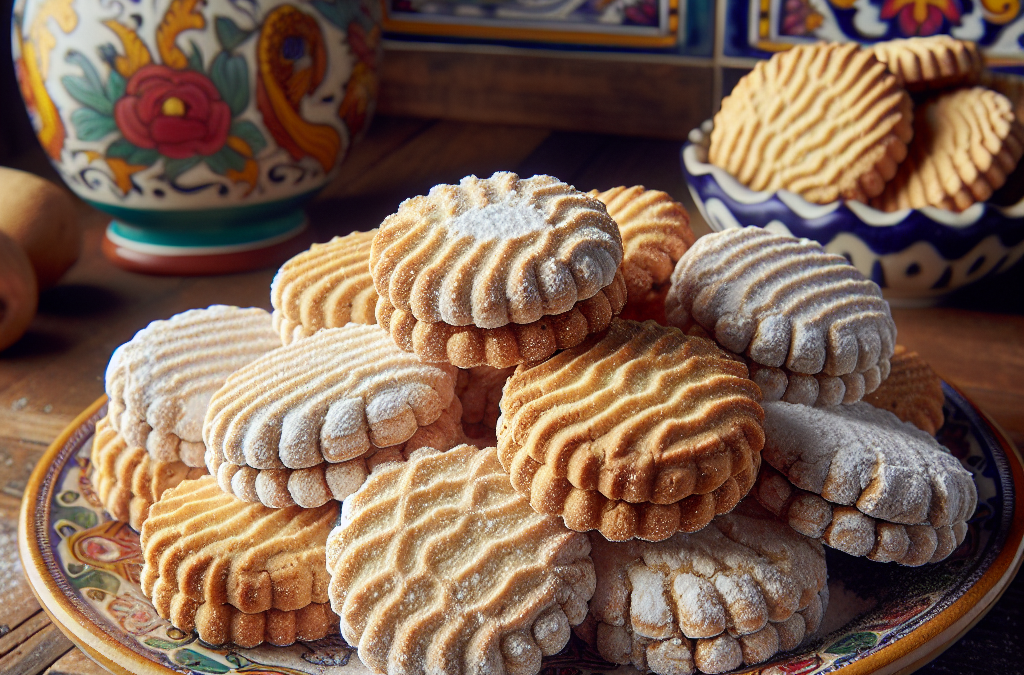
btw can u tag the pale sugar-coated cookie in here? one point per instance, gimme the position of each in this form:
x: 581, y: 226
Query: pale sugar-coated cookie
x: 439, y: 567
x: 160, y: 382
x: 784, y: 302
x: 734, y: 593
x: 866, y: 458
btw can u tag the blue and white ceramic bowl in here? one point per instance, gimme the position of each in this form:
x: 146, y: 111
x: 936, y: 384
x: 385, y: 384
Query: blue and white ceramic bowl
x: 915, y: 255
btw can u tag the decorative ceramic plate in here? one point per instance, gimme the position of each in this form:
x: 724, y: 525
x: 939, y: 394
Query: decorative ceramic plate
x: 882, y: 618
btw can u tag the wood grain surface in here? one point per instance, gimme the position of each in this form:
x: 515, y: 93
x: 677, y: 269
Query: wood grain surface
x: 975, y: 339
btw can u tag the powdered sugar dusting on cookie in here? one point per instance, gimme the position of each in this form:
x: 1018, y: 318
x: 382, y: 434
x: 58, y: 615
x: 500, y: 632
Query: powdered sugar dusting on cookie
x: 161, y: 381
x: 494, y: 251
x: 743, y: 574
x: 511, y: 218
x: 783, y: 302
x: 861, y: 456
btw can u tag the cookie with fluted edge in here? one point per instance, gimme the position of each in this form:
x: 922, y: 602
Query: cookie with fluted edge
x: 327, y: 286
x: 913, y: 391
x: 655, y: 233
x: 495, y: 251
x: 862, y: 456
x: 236, y: 571
x: 782, y: 384
x: 330, y: 397
x: 931, y: 62
x: 734, y: 593
x: 783, y: 302
x: 316, y: 485
x: 160, y: 382
x: 847, y: 529
x: 472, y: 346
x: 827, y: 121
x: 438, y: 566
x: 128, y: 481
x: 641, y: 432
x: 966, y: 142
x: 1009, y: 85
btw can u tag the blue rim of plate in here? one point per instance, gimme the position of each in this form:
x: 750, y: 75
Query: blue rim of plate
x: 896, y: 635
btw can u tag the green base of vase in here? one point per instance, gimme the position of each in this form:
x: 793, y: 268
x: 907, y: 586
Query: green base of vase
x: 191, y: 252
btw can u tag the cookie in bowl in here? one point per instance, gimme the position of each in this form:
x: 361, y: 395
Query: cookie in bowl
x: 932, y: 225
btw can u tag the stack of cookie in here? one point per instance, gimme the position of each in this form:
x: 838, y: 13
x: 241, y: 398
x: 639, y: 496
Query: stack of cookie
x: 505, y: 459
x: 835, y: 121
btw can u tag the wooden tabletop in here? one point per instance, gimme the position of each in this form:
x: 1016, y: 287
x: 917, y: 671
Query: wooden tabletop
x: 974, y: 340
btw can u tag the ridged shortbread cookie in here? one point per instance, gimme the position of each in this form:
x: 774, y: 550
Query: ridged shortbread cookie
x: 160, y: 382
x: 438, y: 566
x: 784, y: 302
x: 470, y: 346
x: 327, y: 286
x: 329, y: 397
x: 127, y: 479
x: 480, y: 389
x: 966, y: 142
x: 213, y: 561
x: 861, y: 456
x: 1009, y: 85
x: 655, y: 233
x: 847, y: 529
x: 782, y: 384
x: 494, y: 251
x: 316, y: 485
x: 827, y: 121
x: 931, y: 62
x: 734, y: 593
x: 913, y: 392
x: 643, y: 431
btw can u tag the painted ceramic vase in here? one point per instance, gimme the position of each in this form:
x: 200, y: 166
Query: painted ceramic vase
x: 201, y: 126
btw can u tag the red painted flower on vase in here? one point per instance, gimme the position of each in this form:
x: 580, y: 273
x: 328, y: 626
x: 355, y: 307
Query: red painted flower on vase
x: 179, y: 113
x: 922, y: 17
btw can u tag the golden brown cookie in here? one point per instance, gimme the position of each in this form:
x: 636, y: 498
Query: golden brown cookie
x: 237, y: 571
x: 827, y: 121
x: 931, y: 62
x: 791, y: 308
x: 128, y: 481
x: 472, y: 346
x: 1009, y: 85
x: 316, y: 485
x: 913, y: 392
x: 655, y: 233
x: 329, y: 397
x: 851, y: 531
x: 734, y: 593
x: 966, y: 142
x: 641, y: 432
x: 480, y: 389
x: 160, y: 382
x: 327, y: 286
x: 438, y: 566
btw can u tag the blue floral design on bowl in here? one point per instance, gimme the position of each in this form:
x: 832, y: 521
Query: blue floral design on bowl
x: 915, y: 255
